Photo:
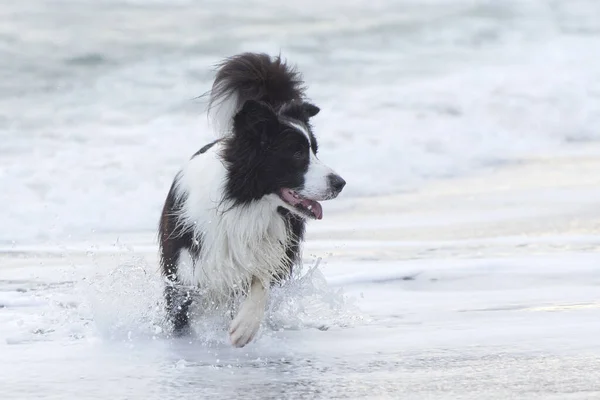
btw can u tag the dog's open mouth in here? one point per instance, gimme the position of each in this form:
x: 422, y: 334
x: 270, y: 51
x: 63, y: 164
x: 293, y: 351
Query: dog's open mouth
x: 306, y: 206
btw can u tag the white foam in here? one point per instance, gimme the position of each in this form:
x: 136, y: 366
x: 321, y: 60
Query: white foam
x: 426, y: 90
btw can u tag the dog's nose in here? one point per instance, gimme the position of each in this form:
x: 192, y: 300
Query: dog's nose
x: 336, y: 182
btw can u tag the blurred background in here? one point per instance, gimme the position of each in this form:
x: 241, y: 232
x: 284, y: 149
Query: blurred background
x: 461, y: 260
x: 98, y: 106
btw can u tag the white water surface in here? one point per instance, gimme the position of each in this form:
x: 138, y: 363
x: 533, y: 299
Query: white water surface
x: 461, y: 261
x: 98, y: 109
x: 498, y: 304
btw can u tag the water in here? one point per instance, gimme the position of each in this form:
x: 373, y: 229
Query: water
x: 479, y: 287
x: 477, y: 279
x: 436, y: 328
x: 97, y: 108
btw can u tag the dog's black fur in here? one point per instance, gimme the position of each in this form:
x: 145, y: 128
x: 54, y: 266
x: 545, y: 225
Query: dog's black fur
x: 259, y: 160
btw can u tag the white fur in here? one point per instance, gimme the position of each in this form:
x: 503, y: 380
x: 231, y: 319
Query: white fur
x: 237, y: 243
x: 246, y: 324
x: 316, y: 179
x: 186, y: 268
x: 221, y: 113
x: 300, y: 127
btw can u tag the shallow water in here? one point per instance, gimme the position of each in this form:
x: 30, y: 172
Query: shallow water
x: 455, y: 327
x: 479, y: 288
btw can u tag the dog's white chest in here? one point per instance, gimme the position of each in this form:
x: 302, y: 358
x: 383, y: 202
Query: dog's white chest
x: 236, y: 243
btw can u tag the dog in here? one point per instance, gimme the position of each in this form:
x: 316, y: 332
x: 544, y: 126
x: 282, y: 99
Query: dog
x: 234, y: 219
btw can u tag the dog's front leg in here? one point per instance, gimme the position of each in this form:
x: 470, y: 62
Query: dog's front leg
x: 245, y: 325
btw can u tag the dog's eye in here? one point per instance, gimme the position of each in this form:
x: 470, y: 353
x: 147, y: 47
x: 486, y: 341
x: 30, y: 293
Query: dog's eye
x: 300, y: 155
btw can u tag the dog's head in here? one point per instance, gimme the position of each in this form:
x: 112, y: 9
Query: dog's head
x: 275, y: 152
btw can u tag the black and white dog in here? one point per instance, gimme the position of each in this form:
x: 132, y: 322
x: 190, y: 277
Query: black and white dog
x: 234, y: 219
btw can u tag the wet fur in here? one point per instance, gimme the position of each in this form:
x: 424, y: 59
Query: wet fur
x: 223, y: 230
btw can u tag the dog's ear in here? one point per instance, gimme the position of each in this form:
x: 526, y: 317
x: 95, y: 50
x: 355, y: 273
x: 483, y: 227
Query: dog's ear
x: 302, y: 111
x: 310, y: 110
x: 257, y: 120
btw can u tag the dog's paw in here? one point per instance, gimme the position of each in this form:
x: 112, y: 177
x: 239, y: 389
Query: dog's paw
x: 246, y: 324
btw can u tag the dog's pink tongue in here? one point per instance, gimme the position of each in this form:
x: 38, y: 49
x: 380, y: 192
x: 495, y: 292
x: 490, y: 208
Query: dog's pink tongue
x: 314, y: 207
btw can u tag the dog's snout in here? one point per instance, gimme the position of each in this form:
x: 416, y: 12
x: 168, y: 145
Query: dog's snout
x: 336, y: 182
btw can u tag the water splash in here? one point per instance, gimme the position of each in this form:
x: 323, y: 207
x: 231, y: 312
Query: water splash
x: 126, y: 304
x: 126, y: 301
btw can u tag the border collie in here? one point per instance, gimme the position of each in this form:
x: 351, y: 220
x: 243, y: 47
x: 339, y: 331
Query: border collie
x: 234, y: 219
